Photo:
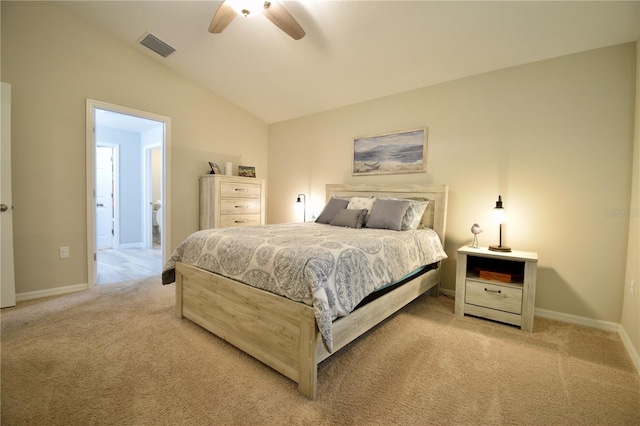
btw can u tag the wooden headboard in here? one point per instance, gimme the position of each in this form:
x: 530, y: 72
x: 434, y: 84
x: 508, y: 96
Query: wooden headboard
x: 434, y: 217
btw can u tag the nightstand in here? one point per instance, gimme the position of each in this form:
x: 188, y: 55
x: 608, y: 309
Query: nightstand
x: 497, y: 285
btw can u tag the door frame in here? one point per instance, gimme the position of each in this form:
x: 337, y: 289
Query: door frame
x: 90, y: 136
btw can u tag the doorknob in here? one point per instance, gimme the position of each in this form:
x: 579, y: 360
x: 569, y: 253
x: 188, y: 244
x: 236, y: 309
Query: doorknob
x: 99, y: 205
x: 3, y: 207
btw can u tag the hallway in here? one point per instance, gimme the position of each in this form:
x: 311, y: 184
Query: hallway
x: 128, y: 264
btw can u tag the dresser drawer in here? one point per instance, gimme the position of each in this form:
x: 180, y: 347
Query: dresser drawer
x: 228, y: 220
x: 239, y: 190
x: 239, y: 205
x: 502, y: 298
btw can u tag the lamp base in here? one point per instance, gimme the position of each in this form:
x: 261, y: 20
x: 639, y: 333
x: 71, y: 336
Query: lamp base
x: 500, y: 248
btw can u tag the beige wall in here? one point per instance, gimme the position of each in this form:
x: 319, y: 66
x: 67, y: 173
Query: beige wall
x: 631, y: 304
x: 554, y: 138
x: 54, y: 63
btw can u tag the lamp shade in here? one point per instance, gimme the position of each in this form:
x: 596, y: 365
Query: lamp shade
x: 499, y: 216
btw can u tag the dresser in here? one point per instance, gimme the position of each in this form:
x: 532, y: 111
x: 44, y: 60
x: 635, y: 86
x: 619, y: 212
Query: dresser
x: 231, y: 201
x: 500, y: 286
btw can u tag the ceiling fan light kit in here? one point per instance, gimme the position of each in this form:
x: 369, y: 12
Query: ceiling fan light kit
x: 248, y: 8
x: 272, y: 10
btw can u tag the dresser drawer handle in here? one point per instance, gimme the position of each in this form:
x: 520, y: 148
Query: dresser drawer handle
x: 243, y: 207
x: 241, y: 221
x: 493, y: 291
x: 242, y: 190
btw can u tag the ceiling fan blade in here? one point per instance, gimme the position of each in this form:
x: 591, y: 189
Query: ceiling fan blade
x: 277, y: 14
x: 223, y: 17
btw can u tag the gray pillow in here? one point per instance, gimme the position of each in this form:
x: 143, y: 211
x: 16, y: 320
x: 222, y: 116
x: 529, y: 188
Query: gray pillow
x: 330, y: 210
x: 413, y: 217
x: 387, y: 214
x: 351, y: 218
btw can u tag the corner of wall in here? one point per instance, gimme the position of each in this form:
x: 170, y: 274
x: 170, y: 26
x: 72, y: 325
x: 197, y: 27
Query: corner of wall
x: 630, y: 324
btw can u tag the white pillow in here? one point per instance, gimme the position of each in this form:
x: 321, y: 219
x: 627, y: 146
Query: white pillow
x: 361, y: 203
x: 413, y: 217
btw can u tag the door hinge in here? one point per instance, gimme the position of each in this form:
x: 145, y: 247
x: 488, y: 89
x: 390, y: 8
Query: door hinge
x: 95, y: 258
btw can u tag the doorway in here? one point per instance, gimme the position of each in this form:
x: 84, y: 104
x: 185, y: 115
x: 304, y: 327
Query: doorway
x: 127, y: 150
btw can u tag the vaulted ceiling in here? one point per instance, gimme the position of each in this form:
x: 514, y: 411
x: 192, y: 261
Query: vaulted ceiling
x: 355, y: 51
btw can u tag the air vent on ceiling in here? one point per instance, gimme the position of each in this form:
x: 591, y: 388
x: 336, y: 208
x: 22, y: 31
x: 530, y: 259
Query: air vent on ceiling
x: 157, y: 45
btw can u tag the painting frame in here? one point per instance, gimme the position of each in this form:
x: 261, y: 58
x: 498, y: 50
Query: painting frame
x: 398, y: 152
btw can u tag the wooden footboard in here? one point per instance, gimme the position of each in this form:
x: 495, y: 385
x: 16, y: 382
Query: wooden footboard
x: 277, y: 331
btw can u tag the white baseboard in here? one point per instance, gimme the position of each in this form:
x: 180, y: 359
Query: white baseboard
x: 30, y: 295
x: 633, y: 353
x: 447, y: 292
x: 574, y: 319
x: 587, y: 322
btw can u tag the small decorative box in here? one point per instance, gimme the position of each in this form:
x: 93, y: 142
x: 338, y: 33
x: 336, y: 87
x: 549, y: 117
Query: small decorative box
x: 495, y: 276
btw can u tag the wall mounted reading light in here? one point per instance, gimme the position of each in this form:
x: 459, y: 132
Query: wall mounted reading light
x: 500, y: 217
x: 304, y: 206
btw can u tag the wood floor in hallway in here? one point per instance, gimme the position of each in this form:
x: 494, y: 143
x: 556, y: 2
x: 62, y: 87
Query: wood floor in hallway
x: 128, y: 264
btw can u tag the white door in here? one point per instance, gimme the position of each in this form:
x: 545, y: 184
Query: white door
x: 7, y: 277
x: 104, y: 197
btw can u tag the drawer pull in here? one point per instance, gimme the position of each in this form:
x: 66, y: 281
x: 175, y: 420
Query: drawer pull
x: 242, y: 207
x: 241, y: 221
x: 242, y: 190
x: 493, y: 291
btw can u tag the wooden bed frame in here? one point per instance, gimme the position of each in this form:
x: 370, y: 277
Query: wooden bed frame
x: 282, y: 333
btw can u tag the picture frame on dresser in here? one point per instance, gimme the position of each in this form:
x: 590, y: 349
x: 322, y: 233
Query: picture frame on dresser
x: 247, y: 171
x: 215, y: 169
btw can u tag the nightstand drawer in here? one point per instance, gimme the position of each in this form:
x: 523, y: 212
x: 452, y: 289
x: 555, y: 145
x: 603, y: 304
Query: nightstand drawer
x: 240, y: 205
x: 502, y: 298
x: 237, y: 189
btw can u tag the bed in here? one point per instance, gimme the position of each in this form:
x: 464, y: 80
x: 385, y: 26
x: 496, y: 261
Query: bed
x: 292, y: 336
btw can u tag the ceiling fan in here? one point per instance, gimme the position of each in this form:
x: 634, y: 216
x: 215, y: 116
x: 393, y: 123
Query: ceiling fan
x: 273, y: 10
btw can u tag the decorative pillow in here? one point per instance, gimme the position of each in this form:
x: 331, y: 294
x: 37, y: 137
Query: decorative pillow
x: 359, y: 203
x: 413, y: 216
x: 330, y: 210
x: 351, y: 218
x: 388, y: 214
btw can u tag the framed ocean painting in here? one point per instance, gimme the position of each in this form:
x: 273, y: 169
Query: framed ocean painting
x: 391, y: 153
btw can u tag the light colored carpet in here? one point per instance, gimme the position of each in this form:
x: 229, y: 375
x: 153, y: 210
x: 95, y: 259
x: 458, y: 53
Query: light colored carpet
x: 118, y: 355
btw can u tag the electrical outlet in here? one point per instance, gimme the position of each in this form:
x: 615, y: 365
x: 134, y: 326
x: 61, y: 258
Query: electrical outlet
x: 632, y: 288
x: 64, y: 252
